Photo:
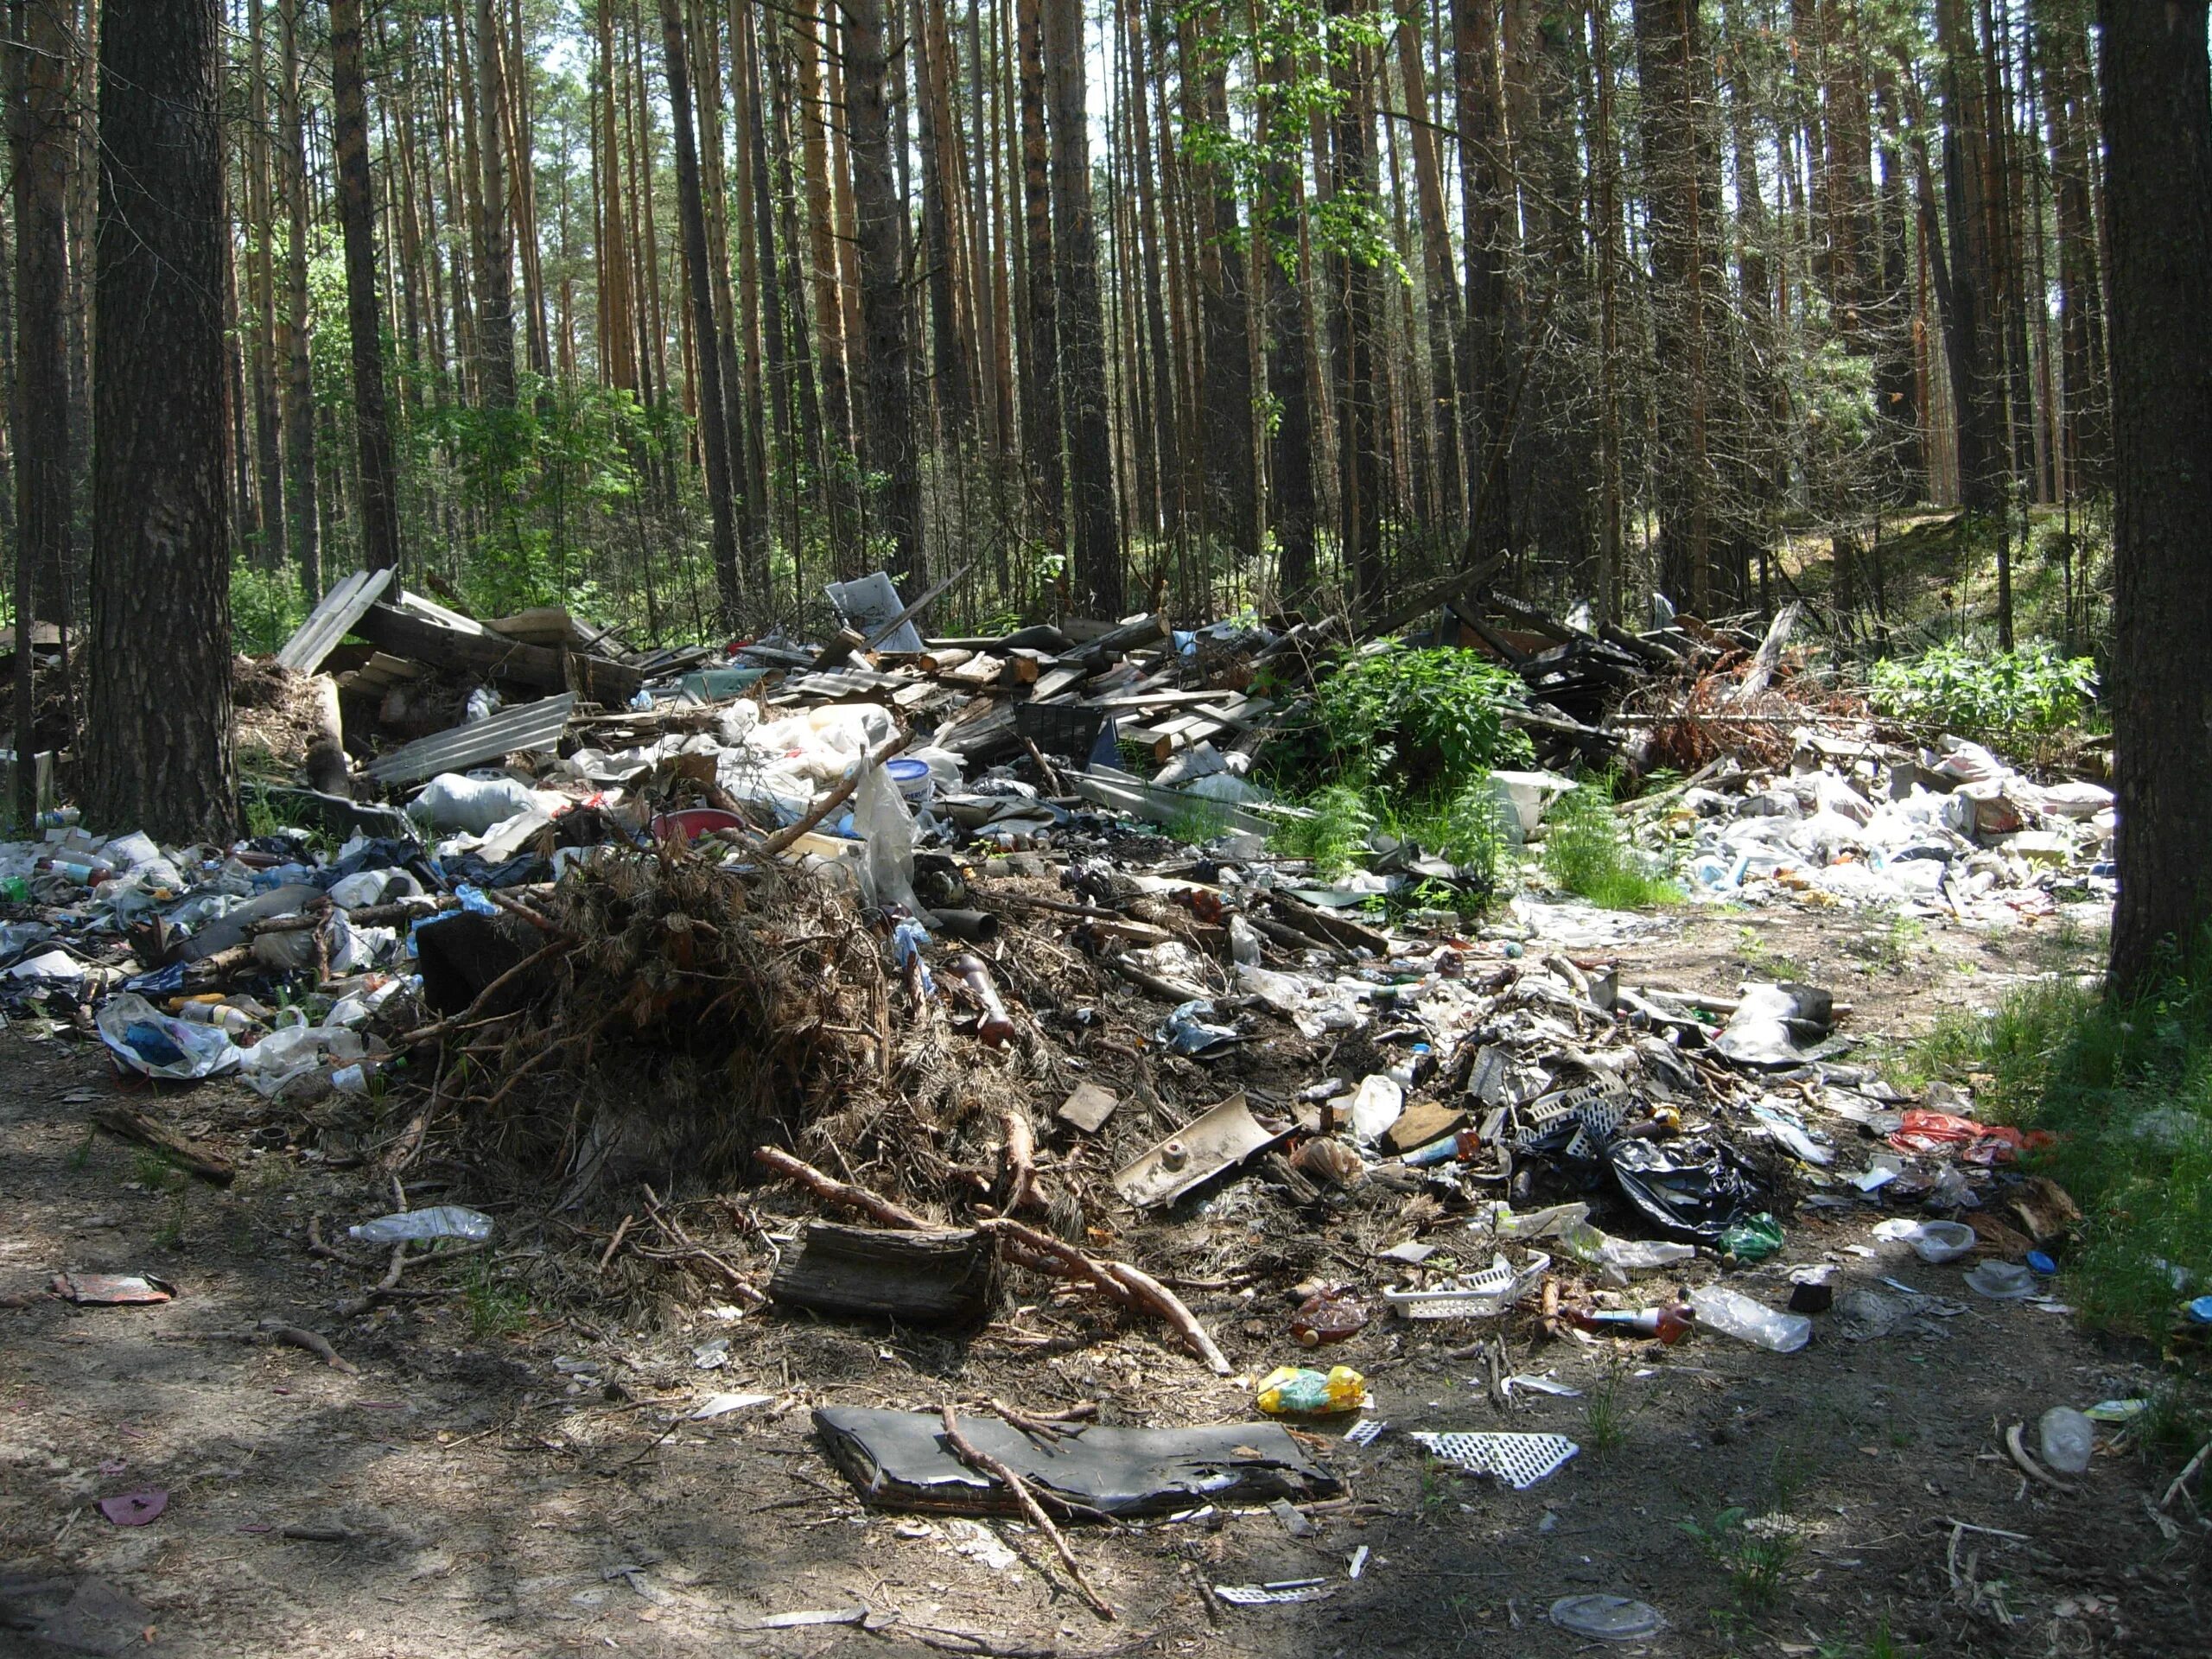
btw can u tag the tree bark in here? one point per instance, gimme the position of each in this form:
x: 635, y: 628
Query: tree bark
x: 1040, y: 380
x: 41, y: 64
x: 1972, y: 346
x: 878, y: 214
x: 495, y: 314
x: 1082, y: 334
x: 2158, y: 132
x: 304, y: 529
x: 158, y: 752
x: 364, y: 310
x: 1277, y: 217
x: 1485, y: 375
x: 261, y: 280
x: 1359, y: 419
x: 1225, y: 388
x: 713, y: 435
x: 1668, y: 59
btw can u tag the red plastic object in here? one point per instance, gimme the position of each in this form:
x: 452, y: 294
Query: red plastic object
x: 1931, y: 1132
x: 694, y: 822
x: 135, y: 1509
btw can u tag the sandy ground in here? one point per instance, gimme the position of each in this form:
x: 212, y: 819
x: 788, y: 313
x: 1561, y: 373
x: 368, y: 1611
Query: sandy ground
x: 501, y: 1477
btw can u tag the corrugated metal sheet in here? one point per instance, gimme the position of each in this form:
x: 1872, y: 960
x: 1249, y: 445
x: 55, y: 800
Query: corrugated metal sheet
x: 341, y: 608
x: 527, y: 726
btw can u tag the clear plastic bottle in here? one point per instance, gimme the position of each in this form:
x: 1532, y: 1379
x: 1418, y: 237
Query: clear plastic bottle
x: 1747, y: 1319
x: 2068, y: 1440
x: 445, y: 1221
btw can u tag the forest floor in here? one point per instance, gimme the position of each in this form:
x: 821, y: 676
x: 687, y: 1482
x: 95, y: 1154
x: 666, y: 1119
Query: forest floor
x: 501, y: 1480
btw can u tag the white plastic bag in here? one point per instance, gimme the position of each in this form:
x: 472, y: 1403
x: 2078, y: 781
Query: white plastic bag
x: 450, y: 802
x: 294, y: 1049
x: 886, y: 829
x: 159, y: 1045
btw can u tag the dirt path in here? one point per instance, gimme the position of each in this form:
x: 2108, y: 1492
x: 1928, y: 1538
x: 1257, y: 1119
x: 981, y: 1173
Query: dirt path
x: 494, y: 1481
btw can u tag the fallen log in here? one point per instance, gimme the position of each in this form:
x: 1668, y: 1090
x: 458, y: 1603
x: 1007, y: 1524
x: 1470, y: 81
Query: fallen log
x: 151, y: 1132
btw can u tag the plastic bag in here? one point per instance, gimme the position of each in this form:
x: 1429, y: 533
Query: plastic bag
x: 160, y: 1045
x: 450, y: 802
x: 1691, y: 1188
x: 886, y: 828
x: 1294, y: 1391
x: 296, y: 1049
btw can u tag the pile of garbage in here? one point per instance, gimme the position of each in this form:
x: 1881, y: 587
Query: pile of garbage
x: 1947, y: 831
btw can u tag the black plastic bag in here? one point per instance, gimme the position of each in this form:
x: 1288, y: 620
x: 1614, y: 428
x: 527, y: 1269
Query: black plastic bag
x: 1691, y: 1188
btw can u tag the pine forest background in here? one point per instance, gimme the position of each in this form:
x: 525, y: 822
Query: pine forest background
x: 672, y: 310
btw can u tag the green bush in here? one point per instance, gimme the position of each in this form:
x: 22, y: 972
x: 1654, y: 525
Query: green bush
x: 266, y: 607
x: 2127, y: 1088
x: 2012, y: 696
x: 1586, y: 853
x: 1419, y: 718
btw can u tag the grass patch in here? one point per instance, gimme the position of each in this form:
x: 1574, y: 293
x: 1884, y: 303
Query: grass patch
x: 1756, y: 1552
x: 1605, y: 1408
x: 1587, y: 852
x: 496, y: 1307
x: 2127, y: 1087
x: 154, y: 1172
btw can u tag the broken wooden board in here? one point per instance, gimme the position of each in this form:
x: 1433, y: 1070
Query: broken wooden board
x: 898, y: 1459
x: 944, y: 1276
x: 1219, y: 1139
x: 404, y: 633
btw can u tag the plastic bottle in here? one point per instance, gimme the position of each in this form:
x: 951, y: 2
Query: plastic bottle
x: 357, y: 1078
x: 1243, y: 942
x: 221, y: 1015
x: 1734, y: 1315
x: 1291, y: 1391
x: 445, y: 1221
x: 2068, y: 1440
x: 86, y: 869
x: 1669, y: 1325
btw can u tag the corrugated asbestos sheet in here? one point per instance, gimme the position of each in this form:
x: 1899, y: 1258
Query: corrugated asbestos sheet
x: 527, y: 726
x: 341, y: 608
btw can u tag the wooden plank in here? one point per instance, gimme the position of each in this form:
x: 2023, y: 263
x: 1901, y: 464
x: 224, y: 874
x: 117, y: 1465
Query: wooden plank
x: 405, y: 634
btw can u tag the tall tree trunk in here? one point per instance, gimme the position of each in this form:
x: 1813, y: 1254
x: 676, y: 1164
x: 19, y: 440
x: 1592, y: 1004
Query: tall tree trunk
x: 495, y: 315
x: 1486, y: 376
x: 1225, y: 393
x: 2063, y: 60
x: 1668, y: 60
x: 41, y: 65
x: 1972, y: 346
x: 1606, y: 149
x: 617, y: 342
x: 1166, y: 462
x: 878, y: 214
x: 1359, y: 420
x: 691, y: 210
x: 158, y: 749
x: 303, y: 529
x: 2158, y: 134
x: 821, y: 231
x: 1082, y: 334
x: 1896, y: 396
x: 1439, y: 281
x: 1278, y: 215
x: 363, y: 311
x: 1040, y: 380
x: 261, y: 215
